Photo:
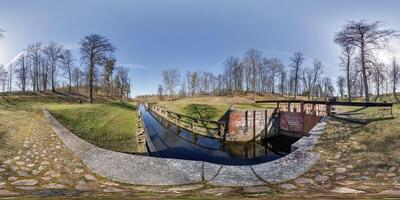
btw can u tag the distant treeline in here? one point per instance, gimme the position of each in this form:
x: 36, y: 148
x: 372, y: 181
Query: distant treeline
x: 364, y: 72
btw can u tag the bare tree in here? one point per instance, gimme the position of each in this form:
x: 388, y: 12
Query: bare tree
x: 34, y: 52
x: 123, y: 82
x: 160, y: 92
x: 67, y: 63
x: 341, y: 81
x: 346, y: 63
x: 367, y: 37
x: 253, y: 60
x: 297, y: 60
x: 22, y: 71
x: 283, y: 79
x: 275, y: 67
x: 171, y: 79
x: 77, y: 76
x: 108, y: 74
x: 53, y: 55
x: 95, y: 51
x: 3, y: 77
x: 395, y: 75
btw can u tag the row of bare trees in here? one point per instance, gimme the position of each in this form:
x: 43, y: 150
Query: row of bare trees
x: 43, y: 66
x: 253, y: 74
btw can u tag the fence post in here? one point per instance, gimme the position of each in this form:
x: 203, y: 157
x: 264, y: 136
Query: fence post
x: 254, y: 125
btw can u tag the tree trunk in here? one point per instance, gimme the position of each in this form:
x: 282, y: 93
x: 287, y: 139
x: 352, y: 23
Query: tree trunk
x: 364, y: 72
x: 91, y: 83
x: 348, y: 79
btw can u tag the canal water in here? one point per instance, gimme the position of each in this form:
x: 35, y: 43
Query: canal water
x: 171, y: 141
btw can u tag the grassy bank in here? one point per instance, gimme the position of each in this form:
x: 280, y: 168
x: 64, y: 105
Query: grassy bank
x: 107, y: 125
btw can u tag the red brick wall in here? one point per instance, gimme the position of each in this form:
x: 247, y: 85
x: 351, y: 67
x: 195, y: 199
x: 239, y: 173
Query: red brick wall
x: 297, y: 122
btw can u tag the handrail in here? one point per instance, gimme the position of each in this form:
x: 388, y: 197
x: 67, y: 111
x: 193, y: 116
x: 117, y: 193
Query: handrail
x: 337, y: 103
x: 178, y: 119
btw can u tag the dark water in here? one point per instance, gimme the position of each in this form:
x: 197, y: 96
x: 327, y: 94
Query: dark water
x: 173, y: 142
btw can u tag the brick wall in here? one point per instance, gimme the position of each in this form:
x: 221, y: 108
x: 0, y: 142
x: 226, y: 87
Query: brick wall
x: 295, y: 122
x: 240, y: 124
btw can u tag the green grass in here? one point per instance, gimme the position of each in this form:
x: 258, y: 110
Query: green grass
x: 381, y: 134
x: 107, y: 125
x: 202, y: 108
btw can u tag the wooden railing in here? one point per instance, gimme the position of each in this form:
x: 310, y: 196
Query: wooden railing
x: 204, y: 127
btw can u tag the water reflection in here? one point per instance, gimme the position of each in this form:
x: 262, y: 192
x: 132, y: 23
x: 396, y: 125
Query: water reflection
x: 171, y: 141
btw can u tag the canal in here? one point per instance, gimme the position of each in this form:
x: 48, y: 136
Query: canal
x: 171, y: 141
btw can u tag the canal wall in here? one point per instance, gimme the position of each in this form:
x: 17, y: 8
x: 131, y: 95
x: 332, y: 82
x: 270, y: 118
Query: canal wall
x: 297, y: 123
x: 245, y: 125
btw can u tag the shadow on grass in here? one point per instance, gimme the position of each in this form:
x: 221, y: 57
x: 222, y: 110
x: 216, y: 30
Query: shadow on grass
x: 201, y: 111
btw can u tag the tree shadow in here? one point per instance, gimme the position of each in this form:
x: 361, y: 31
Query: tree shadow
x: 201, y: 111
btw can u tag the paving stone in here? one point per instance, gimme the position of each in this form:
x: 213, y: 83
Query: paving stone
x: 41, y: 168
x: 30, y: 165
x: 2, y: 170
x: 45, y: 163
x: 78, y: 170
x: 14, y: 168
x: 52, y: 174
x: 341, y: 170
x: 287, y: 186
x: 12, y: 178
x: 303, y: 181
x: 157, y: 189
x: 390, y: 192
x: 111, y: 184
x: 28, y: 182
x: 90, y: 177
x: 19, y: 163
x: 35, y: 172
x: 218, y: 191
x: 113, y: 190
x: 7, y: 193
x: 28, y: 188
x: 321, y: 178
x: 258, y: 189
x: 23, y: 174
x: 7, y: 162
x: 82, y: 186
x: 344, y: 190
x: 186, y: 187
x: 54, y: 186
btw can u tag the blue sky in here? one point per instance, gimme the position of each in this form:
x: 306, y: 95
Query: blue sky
x: 154, y: 35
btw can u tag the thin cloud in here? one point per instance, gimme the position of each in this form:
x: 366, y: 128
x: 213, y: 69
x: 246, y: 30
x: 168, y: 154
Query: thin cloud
x: 71, y: 46
x: 2, y: 31
x: 14, y: 59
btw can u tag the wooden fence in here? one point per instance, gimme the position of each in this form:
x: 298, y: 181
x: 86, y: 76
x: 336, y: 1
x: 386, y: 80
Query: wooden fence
x: 204, y: 127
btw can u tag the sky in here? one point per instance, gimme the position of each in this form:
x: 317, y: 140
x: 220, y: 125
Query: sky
x: 153, y: 35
